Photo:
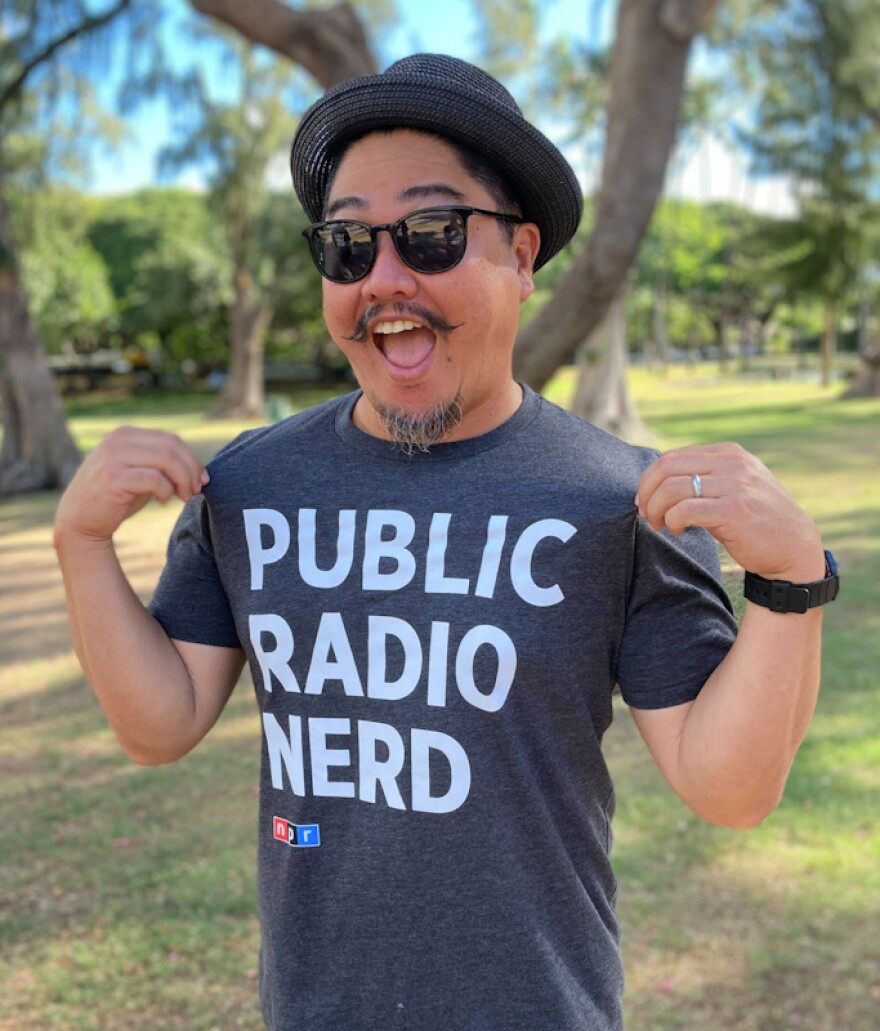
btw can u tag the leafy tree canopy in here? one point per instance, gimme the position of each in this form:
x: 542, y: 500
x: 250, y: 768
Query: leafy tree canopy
x: 67, y: 280
x: 166, y: 255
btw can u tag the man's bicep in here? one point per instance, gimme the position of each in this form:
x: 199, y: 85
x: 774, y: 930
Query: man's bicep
x: 213, y: 672
x: 662, y: 731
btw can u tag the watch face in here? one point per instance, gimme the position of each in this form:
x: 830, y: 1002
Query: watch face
x: 832, y: 564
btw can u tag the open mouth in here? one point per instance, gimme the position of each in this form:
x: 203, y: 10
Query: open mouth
x: 407, y: 346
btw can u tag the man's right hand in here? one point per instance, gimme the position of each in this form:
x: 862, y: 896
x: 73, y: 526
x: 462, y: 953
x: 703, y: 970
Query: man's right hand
x: 119, y: 477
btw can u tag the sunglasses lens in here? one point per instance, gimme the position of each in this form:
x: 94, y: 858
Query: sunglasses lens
x: 343, y: 251
x: 431, y: 241
x: 428, y: 241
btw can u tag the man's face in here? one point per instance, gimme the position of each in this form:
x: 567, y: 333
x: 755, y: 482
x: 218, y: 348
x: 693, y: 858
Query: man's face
x: 465, y: 319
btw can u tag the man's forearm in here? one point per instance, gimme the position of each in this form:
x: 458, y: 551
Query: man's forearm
x: 133, y: 668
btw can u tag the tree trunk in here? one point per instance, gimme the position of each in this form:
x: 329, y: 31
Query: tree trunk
x: 243, y: 393
x: 660, y: 327
x: 745, y: 344
x: 867, y: 380
x: 863, y: 333
x: 829, y: 343
x: 602, y: 396
x: 330, y: 44
x: 719, y: 327
x: 647, y: 82
x: 37, y: 452
x: 590, y: 371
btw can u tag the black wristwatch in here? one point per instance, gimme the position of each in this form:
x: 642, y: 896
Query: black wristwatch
x: 782, y: 596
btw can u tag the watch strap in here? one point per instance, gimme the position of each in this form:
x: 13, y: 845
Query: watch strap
x: 784, y: 596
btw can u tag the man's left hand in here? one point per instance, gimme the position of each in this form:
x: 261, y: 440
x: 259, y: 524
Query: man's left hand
x: 741, y: 504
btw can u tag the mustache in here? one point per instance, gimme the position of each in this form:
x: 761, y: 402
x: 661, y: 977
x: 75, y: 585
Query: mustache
x: 401, y: 310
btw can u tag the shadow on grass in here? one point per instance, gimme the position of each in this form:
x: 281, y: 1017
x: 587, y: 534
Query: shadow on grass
x: 88, y: 833
x: 127, y: 895
x: 27, y: 512
x: 33, y: 607
x: 810, y: 427
x: 56, y: 698
x: 749, y: 954
x: 764, y: 929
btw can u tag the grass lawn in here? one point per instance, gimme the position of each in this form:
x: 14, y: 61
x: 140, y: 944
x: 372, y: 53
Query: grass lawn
x: 127, y: 894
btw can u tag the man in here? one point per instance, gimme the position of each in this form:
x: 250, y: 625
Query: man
x: 437, y: 581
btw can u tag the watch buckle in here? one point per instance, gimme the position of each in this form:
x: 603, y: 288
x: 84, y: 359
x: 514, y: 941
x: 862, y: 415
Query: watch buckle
x: 785, y: 597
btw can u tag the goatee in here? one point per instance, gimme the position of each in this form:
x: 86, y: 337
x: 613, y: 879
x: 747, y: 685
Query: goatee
x: 418, y: 432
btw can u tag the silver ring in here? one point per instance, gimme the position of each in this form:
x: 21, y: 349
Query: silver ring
x: 697, y: 482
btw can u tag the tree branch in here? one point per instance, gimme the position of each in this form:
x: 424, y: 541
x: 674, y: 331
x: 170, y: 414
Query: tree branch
x: 12, y: 89
x: 330, y: 44
x: 683, y: 19
x: 648, y: 67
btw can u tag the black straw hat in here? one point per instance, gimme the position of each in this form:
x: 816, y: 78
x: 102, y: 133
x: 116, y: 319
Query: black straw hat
x: 456, y: 100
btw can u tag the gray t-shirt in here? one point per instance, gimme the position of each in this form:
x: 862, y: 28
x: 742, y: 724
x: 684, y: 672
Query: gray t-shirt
x: 434, y: 641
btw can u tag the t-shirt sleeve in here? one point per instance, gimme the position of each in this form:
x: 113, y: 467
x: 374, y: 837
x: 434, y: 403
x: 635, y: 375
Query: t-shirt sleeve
x: 679, y: 621
x: 190, y: 603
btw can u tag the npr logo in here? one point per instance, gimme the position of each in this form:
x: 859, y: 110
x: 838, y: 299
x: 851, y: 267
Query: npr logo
x: 297, y: 835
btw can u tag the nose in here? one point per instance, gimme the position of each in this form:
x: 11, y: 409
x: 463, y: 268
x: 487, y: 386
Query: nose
x: 389, y: 276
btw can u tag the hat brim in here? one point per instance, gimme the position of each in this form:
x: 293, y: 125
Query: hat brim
x: 540, y: 177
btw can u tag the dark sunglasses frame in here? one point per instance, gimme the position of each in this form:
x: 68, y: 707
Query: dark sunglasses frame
x: 464, y: 212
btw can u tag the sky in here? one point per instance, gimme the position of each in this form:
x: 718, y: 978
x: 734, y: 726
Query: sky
x: 709, y: 172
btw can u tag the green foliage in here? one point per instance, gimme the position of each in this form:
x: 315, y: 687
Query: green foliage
x: 567, y: 78
x: 155, y: 268
x: 507, y: 31
x: 817, y: 114
x: 52, y: 55
x: 810, y: 65
x: 23, y: 155
x: 67, y: 281
x: 560, y: 79
x: 169, y: 256
x: 696, y: 259
x: 171, y: 265
x: 823, y: 252
x: 169, y: 268
x: 28, y: 67
x: 69, y: 291
x: 549, y: 277
x: 799, y: 321
x: 298, y: 329
x: 234, y: 142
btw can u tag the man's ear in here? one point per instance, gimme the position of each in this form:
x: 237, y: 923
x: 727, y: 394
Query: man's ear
x: 526, y: 244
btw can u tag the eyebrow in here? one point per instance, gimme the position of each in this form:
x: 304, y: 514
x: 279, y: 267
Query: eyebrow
x: 430, y: 190
x: 345, y: 202
x: 410, y: 193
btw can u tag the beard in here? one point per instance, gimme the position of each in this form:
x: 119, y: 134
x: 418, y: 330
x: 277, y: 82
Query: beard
x: 418, y: 432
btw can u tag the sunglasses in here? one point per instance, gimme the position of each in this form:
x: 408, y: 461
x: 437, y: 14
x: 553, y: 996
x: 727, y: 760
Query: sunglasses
x: 430, y: 240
